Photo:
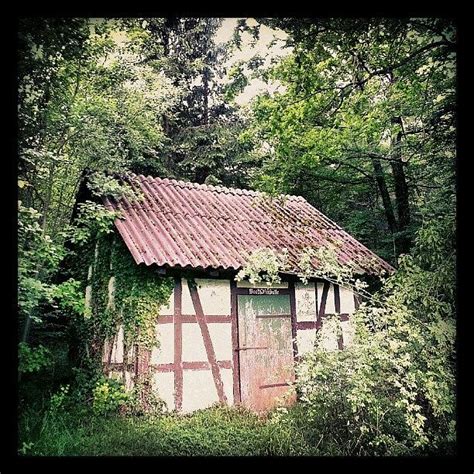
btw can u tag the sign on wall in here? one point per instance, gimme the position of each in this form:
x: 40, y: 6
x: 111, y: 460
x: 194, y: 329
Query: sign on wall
x: 264, y: 291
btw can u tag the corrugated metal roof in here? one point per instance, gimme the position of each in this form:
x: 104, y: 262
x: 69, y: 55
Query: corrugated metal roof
x: 189, y: 225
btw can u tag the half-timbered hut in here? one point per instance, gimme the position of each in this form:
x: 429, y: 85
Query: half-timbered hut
x: 222, y: 340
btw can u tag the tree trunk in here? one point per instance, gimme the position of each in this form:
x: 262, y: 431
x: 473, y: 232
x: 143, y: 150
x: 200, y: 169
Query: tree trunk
x: 380, y: 176
x: 403, y: 238
x: 387, y: 202
x: 26, y: 329
x: 205, y: 81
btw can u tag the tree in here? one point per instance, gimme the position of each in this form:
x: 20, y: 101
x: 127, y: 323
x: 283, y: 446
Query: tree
x: 393, y: 391
x: 367, y: 118
x: 85, y: 102
x: 202, y: 130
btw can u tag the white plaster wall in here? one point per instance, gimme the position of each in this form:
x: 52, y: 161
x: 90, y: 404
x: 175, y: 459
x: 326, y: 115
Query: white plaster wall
x: 164, y: 353
x: 105, y: 352
x: 199, y: 390
x: 228, y: 381
x: 187, y: 306
x: 247, y: 284
x: 214, y: 296
x: 129, y: 382
x: 329, y: 334
x: 117, y: 351
x: 221, y: 337
x: 168, y: 309
x: 305, y: 297
x: 348, y: 332
x: 347, y: 300
x: 193, y: 344
x: 163, y: 385
x: 330, y: 308
x: 88, y: 298
x: 131, y: 353
x: 305, y: 340
x: 111, y: 291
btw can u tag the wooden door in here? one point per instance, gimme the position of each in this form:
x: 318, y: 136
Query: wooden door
x: 265, y: 347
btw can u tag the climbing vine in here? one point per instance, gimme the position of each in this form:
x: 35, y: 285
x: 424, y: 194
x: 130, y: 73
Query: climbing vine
x: 119, y: 294
x: 263, y: 266
x: 122, y: 293
x: 125, y: 294
x: 139, y: 293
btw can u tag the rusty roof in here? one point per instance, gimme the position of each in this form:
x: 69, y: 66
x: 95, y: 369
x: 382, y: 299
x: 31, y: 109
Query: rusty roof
x: 188, y: 225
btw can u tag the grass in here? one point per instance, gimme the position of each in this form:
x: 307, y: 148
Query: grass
x: 77, y: 431
x: 217, y: 431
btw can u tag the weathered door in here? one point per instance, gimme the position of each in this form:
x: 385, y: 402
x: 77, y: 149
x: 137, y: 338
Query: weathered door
x: 265, y: 347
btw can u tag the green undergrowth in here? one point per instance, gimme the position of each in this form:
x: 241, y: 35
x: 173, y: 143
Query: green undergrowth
x: 217, y: 431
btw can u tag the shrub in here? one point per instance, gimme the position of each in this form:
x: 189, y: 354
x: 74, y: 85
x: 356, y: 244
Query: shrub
x: 393, y: 391
x: 142, y: 400
x: 59, y: 400
x: 33, y: 359
x: 108, y: 396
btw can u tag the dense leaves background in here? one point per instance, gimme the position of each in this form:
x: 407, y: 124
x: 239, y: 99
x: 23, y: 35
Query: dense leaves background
x: 363, y: 125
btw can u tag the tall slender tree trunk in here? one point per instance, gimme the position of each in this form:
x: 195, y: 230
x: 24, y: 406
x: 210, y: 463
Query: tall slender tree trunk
x: 206, y: 75
x: 385, y: 195
x: 379, y: 174
x: 205, y: 80
x: 402, y: 201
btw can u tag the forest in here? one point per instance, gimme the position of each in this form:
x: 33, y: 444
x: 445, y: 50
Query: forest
x: 358, y: 116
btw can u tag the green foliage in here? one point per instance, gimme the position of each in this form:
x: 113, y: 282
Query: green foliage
x: 103, y: 185
x: 364, y: 103
x: 85, y: 103
x: 137, y: 297
x: 238, y: 81
x: 364, y: 124
x: 93, y: 220
x: 26, y: 448
x: 33, y: 359
x: 263, y: 265
x: 60, y: 400
x: 85, y: 379
x: 217, y: 431
x: 142, y: 400
x: 70, y: 296
x: 38, y: 256
x: 393, y: 391
x: 108, y: 396
x: 122, y: 294
x: 324, y: 263
x: 202, y: 128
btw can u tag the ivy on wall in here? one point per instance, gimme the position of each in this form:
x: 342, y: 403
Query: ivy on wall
x: 139, y: 294
x: 133, y: 297
x: 128, y: 295
x: 118, y: 293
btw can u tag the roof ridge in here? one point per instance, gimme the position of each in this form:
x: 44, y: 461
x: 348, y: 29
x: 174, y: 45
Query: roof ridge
x: 213, y: 188
x: 238, y: 191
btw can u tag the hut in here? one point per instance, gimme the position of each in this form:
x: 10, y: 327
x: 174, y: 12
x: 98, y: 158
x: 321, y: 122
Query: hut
x: 222, y: 340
